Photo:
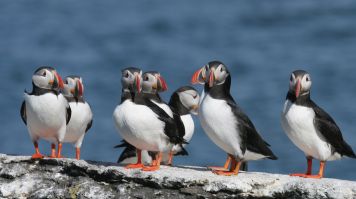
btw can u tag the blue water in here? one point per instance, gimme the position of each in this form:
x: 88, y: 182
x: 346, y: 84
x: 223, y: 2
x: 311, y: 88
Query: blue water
x: 260, y: 41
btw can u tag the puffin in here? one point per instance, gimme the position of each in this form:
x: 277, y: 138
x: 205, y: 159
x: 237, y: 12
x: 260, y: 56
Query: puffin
x: 146, y: 126
x: 45, y: 111
x: 82, y: 116
x: 183, y: 102
x: 224, y: 121
x: 130, y: 77
x: 310, y: 128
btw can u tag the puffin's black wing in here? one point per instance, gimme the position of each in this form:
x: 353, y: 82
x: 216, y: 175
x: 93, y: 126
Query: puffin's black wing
x: 182, y: 152
x: 89, y: 125
x: 23, y: 112
x: 69, y: 114
x: 330, y: 131
x: 253, y: 141
x: 128, y: 152
x: 171, y: 129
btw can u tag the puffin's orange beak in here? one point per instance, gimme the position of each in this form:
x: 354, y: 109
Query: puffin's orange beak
x: 297, y: 88
x: 79, y: 88
x: 57, y: 81
x: 138, y: 83
x: 211, y: 77
x: 162, y: 85
x: 196, y: 77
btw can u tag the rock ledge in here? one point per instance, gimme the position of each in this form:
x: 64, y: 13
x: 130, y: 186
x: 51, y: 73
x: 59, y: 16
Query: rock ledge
x: 21, y: 177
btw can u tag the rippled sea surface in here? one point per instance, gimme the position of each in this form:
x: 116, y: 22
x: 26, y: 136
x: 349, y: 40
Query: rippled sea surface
x: 260, y: 41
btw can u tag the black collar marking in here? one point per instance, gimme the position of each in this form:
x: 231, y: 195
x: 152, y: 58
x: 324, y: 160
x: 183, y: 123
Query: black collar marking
x: 75, y: 99
x: 37, y: 91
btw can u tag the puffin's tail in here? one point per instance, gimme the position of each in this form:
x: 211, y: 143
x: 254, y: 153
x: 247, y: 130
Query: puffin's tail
x: 347, y: 151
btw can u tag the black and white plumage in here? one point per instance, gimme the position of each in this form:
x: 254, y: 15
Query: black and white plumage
x: 82, y: 116
x: 45, y: 111
x: 223, y: 120
x: 183, y: 102
x: 145, y: 125
x: 309, y: 127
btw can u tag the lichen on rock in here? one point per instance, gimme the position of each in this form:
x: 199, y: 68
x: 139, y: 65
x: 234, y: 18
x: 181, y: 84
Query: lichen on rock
x: 21, y: 177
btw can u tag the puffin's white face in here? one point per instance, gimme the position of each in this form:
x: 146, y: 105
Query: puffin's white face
x: 47, y: 78
x: 131, y: 80
x: 190, y: 100
x: 215, y: 73
x: 149, y: 83
x: 153, y: 82
x: 300, y: 83
x: 218, y: 75
x: 73, y: 87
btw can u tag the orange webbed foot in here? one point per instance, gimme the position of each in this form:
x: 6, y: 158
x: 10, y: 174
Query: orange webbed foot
x: 134, y: 166
x: 298, y: 174
x: 37, y: 156
x: 150, y: 168
x: 217, y: 168
x: 313, y: 176
x: 225, y: 173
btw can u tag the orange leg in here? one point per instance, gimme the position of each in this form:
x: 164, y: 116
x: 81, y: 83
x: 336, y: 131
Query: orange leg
x: 139, y: 162
x: 234, y: 169
x: 77, y: 153
x: 53, y: 151
x: 59, y: 150
x: 170, y: 159
x: 37, y: 154
x: 155, y: 164
x: 320, y: 174
x: 225, y: 167
x: 309, y: 170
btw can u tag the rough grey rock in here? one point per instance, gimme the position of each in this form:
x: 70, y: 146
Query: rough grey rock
x: 21, y: 177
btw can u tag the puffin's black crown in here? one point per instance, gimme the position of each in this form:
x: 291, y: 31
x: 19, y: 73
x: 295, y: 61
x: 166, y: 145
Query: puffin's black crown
x: 185, y: 88
x: 215, y: 63
x: 152, y: 72
x: 44, y: 67
x: 132, y: 69
x: 299, y: 73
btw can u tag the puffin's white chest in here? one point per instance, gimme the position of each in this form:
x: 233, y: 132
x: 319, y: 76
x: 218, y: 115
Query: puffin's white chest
x: 46, y: 116
x: 139, y: 126
x: 298, y: 123
x: 219, y: 123
x: 81, y: 116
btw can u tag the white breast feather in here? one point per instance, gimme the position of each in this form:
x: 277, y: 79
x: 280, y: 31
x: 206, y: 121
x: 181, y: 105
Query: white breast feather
x: 81, y: 116
x: 46, y: 116
x: 298, y: 123
x: 139, y: 125
x: 219, y: 123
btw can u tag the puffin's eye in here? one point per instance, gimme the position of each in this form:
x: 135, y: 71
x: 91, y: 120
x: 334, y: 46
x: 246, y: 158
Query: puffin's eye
x: 307, y: 79
x: 146, y: 78
x: 221, y: 69
x: 127, y: 75
x: 44, y: 74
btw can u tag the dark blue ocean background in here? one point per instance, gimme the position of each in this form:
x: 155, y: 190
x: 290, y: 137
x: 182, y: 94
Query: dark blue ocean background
x: 260, y: 41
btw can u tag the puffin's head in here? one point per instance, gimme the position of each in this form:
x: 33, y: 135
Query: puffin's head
x: 300, y: 83
x: 73, y: 86
x: 131, y: 79
x: 48, y: 78
x: 214, y: 73
x: 189, y: 98
x: 153, y: 82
